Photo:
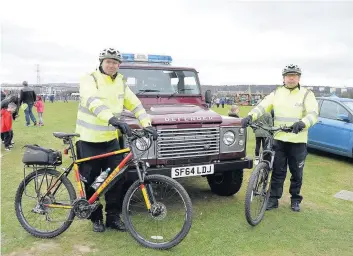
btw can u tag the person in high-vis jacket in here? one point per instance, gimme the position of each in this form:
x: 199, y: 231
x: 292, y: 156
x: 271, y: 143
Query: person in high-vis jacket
x: 293, y: 106
x: 103, y: 94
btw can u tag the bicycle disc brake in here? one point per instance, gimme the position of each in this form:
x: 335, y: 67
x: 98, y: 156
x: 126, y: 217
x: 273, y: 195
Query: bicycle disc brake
x: 158, y: 211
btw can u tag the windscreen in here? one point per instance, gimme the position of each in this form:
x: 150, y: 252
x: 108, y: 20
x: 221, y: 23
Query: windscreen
x: 161, y: 82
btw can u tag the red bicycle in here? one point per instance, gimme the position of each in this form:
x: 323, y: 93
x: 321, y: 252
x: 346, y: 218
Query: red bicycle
x: 157, y: 211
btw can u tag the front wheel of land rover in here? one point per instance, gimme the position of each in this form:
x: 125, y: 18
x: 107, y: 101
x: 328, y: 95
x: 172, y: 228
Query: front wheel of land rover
x: 227, y: 183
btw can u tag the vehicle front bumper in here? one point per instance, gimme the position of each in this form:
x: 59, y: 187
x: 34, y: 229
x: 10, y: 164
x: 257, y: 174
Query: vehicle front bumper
x: 219, y: 167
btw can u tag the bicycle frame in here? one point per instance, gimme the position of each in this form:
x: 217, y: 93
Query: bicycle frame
x: 268, y: 151
x: 112, y: 176
x: 269, y: 144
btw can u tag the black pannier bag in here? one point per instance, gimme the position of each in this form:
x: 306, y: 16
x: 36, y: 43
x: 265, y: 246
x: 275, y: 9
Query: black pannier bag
x: 36, y: 155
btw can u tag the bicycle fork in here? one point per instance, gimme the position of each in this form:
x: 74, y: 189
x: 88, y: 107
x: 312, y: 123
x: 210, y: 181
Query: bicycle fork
x: 146, y: 189
x: 269, y: 162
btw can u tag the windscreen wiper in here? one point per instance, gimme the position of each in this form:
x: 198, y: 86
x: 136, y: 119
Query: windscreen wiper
x: 148, y: 90
x: 180, y: 90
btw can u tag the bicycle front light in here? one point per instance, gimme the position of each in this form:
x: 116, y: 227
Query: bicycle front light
x: 143, y: 143
x: 229, y: 138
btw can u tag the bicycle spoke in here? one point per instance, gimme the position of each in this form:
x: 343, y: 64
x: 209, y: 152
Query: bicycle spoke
x: 256, y: 196
x: 166, y: 218
x: 47, y: 219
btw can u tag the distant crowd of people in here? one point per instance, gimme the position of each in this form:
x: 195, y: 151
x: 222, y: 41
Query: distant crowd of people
x: 26, y: 100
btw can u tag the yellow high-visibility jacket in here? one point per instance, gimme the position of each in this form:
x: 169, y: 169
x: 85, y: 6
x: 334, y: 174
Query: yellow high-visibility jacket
x: 289, y: 107
x: 101, y: 98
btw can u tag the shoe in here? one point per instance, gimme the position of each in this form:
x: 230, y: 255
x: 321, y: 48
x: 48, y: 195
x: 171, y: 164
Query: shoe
x: 11, y: 146
x: 114, y: 222
x: 98, y: 226
x: 35, y: 123
x: 272, y: 204
x: 8, y: 149
x: 295, y: 206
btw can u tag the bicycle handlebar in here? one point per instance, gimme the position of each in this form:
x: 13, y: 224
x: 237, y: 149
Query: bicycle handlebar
x: 141, y: 139
x: 271, y: 129
x: 139, y: 134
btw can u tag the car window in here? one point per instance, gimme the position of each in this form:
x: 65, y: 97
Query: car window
x: 349, y: 104
x: 331, y: 110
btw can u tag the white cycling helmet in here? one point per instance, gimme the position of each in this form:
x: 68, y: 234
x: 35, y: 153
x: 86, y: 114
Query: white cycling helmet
x: 110, y: 53
x: 291, y: 68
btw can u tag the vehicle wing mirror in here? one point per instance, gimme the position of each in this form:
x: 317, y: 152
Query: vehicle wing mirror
x: 208, y: 97
x: 343, y: 117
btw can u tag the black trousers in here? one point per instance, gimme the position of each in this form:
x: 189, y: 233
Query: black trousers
x: 7, y: 137
x: 259, y: 141
x: 293, y: 155
x: 90, y: 170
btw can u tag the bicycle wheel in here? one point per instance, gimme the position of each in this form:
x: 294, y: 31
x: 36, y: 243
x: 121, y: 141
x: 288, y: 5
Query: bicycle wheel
x: 169, y: 220
x: 257, y: 194
x: 34, y: 217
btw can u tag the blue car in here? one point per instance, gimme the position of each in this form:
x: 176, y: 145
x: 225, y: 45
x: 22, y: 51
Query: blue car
x: 334, y: 130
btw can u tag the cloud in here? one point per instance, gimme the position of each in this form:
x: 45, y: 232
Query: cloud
x: 228, y: 42
x: 26, y: 44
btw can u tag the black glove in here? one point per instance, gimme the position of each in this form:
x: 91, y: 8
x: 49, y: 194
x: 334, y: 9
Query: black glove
x: 246, y: 121
x: 298, y: 127
x: 123, y: 127
x: 151, y: 131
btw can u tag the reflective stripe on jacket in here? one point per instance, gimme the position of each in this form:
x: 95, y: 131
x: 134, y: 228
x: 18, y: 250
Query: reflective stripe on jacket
x: 101, y: 98
x: 289, y: 107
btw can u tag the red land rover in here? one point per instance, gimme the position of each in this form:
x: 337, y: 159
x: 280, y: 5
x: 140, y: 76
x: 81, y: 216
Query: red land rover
x: 193, y: 139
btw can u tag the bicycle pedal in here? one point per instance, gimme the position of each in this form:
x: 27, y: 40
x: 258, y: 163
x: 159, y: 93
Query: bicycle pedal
x: 95, y: 206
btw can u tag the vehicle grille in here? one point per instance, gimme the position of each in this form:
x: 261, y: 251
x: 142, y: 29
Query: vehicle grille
x: 182, y: 143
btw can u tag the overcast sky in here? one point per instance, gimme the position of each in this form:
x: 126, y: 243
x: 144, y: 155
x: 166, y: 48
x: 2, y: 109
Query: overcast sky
x: 228, y: 42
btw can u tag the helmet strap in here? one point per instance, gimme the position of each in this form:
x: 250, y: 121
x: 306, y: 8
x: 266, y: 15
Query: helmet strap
x: 298, y: 86
x: 102, y: 71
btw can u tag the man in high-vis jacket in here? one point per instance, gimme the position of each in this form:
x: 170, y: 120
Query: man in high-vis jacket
x: 103, y: 94
x: 296, y: 107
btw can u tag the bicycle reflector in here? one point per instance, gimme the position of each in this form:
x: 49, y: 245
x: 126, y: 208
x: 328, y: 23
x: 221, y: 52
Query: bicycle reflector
x: 148, y: 58
x: 66, y: 151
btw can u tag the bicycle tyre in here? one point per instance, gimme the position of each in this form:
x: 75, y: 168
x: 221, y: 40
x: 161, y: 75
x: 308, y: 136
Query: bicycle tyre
x: 187, y: 222
x: 249, y: 194
x: 18, y: 208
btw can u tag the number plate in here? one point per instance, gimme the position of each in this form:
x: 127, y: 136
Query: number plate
x: 188, y: 171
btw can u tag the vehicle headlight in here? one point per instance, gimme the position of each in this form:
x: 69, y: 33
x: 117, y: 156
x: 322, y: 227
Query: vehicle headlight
x: 229, y: 138
x: 241, y: 131
x: 143, y: 143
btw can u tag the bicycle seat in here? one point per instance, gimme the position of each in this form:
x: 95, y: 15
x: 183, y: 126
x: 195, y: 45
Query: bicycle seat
x: 63, y: 135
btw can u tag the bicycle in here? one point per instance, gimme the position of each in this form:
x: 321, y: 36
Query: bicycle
x: 146, y: 193
x: 259, y: 185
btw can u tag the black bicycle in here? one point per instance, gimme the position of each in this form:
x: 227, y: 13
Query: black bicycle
x: 258, y: 190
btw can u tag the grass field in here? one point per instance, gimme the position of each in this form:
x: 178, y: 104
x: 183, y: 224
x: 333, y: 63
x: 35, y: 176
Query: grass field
x: 324, y: 227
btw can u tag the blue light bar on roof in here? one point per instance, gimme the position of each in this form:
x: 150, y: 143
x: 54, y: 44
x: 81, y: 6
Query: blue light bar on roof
x: 129, y: 57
